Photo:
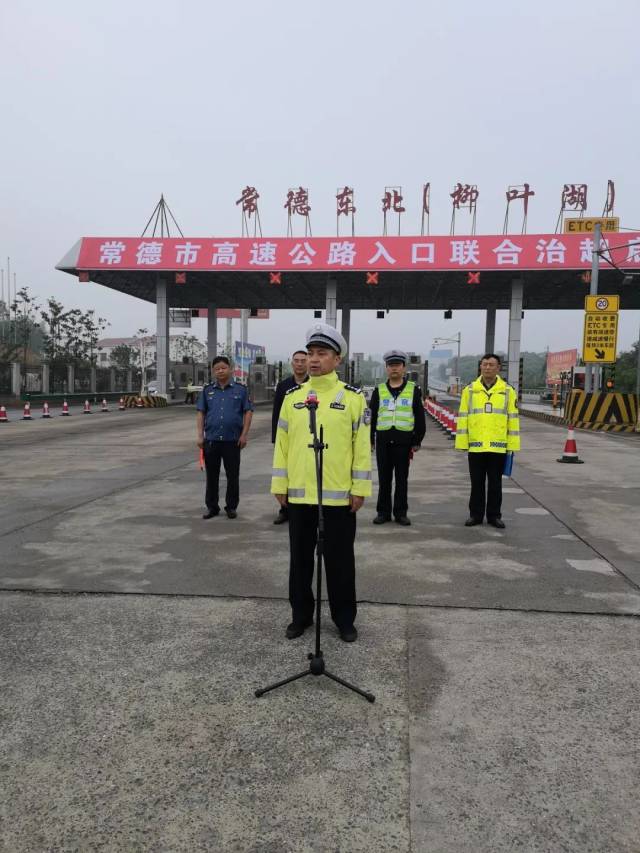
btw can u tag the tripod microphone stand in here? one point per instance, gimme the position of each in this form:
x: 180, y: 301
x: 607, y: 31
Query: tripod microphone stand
x: 316, y: 658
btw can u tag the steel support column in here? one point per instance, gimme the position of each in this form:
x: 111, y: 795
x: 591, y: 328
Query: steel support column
x: 346, y: 332
x: 490, y: 331
x: 515, y: 326
x: 331, y: 311
x: 212, y: 332
x: 162, y: 337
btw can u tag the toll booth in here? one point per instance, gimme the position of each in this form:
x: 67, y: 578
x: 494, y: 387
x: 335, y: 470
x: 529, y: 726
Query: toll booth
x: 262, y: 379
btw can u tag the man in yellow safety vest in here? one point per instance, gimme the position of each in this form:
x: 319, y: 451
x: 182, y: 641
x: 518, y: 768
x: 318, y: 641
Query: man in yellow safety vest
x: 488, y: 427
x: 397, y: 429
x: 346, y: 482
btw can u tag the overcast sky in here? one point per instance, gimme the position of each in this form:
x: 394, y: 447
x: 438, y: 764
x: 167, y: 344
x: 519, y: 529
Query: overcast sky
x: 105, y: 106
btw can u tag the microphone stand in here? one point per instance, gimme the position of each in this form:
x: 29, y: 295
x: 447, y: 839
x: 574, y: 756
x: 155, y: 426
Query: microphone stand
x: 316, y: 658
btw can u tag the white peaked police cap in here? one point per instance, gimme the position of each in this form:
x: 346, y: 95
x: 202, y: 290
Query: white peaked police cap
x: 395, y: 355
x: 327, y: 336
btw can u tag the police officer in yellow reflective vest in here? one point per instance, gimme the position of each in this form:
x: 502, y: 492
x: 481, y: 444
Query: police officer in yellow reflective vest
x: 346, y: 482
x: 397, y: 429
x: 488, y: 427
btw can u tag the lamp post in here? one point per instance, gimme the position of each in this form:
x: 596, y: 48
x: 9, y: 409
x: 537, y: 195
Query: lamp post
x: 455, y: 340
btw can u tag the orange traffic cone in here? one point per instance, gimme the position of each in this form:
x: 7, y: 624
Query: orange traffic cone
x: 121, y: 406
x: 454, y: 426
x: 87, y: 408
x: 570, y: 452
x: 65, y: 409
x: 45, y: 410
x: 139, y: 403
x: 105, y: 407
x: 3, y: 415
x: 26, y: 414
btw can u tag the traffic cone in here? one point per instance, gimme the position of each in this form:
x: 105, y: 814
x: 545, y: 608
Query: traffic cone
x: 45, y: 410
x: 65, y: 409
x: 454, y: 426
x: 139, y: 403
x: 105, y: 407
x: 26, y: 413
x: 121, y: 405
x: 570, y: 452
x: 3, y: 415
x: 87, y: 408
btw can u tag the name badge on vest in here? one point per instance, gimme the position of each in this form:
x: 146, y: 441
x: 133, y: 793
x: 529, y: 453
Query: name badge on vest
x: 488, y: 408
x: 298, y: 405
x: 336, y: 406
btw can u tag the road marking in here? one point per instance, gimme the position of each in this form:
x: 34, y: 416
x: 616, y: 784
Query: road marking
x: 568, y: 536
x: 600, y: 567
x: 513, y: 491
x: 532, y: 510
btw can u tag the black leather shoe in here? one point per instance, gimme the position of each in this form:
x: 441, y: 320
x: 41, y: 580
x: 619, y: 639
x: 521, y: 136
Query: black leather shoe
x: 403, y: 520
x: 231, y: 513
x: 496, y: 522
x: 297, y: 629
x: 349, y: 635
x: 381, y: 519
x: 211, y: 513
x: 280, y: 519
x: 471, y: 522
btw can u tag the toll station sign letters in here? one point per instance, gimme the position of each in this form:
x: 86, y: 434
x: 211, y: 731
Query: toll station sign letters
x: 600, y: 329
x: 499, y: 252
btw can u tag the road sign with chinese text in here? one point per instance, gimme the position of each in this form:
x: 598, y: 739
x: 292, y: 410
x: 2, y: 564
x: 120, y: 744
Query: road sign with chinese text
x: 600, y: 337
x: 588, y: 224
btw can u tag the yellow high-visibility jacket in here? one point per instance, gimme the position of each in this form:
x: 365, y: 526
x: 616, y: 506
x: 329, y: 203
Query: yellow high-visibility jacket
x: 346, y: 462
x: 488, y: 420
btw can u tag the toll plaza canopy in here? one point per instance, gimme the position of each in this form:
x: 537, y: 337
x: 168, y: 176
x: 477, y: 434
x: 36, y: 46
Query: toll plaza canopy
x: 515, y: 272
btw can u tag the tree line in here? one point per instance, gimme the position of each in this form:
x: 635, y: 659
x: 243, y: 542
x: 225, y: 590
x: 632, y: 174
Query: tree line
x: 70, y: 336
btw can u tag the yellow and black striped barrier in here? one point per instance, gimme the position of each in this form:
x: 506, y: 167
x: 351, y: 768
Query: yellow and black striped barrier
x: 156, y: 402
x: 610, y: 412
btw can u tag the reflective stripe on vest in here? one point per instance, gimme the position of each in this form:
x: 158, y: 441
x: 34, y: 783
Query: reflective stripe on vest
x: 396, y: 412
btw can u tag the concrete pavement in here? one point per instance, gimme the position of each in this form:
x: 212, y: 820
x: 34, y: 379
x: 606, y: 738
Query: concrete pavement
x: 505, y: 663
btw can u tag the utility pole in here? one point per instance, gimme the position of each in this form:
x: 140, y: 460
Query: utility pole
x: 589, y: 372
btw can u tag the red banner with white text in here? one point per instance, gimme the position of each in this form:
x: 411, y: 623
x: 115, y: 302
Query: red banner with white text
x: 326, y: 254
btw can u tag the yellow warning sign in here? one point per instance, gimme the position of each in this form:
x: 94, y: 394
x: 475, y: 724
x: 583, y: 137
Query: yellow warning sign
x: 604, y: 304
x: 588, y: 225
x: 600, y: 339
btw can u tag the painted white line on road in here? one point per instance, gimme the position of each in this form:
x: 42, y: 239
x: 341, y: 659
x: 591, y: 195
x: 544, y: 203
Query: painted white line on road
x: 532, y: 510
x: 569, y: 536
x: 513, y: 491
x: 600, y: 567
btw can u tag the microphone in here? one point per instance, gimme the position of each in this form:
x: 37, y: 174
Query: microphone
x: 311, y: 404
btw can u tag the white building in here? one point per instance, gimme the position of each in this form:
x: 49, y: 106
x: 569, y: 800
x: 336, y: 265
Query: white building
x: 147, y: 347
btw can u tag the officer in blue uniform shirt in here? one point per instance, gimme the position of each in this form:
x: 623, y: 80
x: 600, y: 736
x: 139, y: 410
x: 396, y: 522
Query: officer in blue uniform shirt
x: 224, y: 413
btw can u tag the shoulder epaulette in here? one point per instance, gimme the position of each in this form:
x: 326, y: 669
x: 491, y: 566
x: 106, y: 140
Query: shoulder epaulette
x: 353, y: 388
x: 292, y: 389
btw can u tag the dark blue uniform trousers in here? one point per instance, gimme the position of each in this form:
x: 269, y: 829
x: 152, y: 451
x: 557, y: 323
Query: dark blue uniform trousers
x: 339, y: 562
x: 228, y: 453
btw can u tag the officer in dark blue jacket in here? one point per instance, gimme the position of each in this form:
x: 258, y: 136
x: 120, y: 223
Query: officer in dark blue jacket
x: 223, y: 422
